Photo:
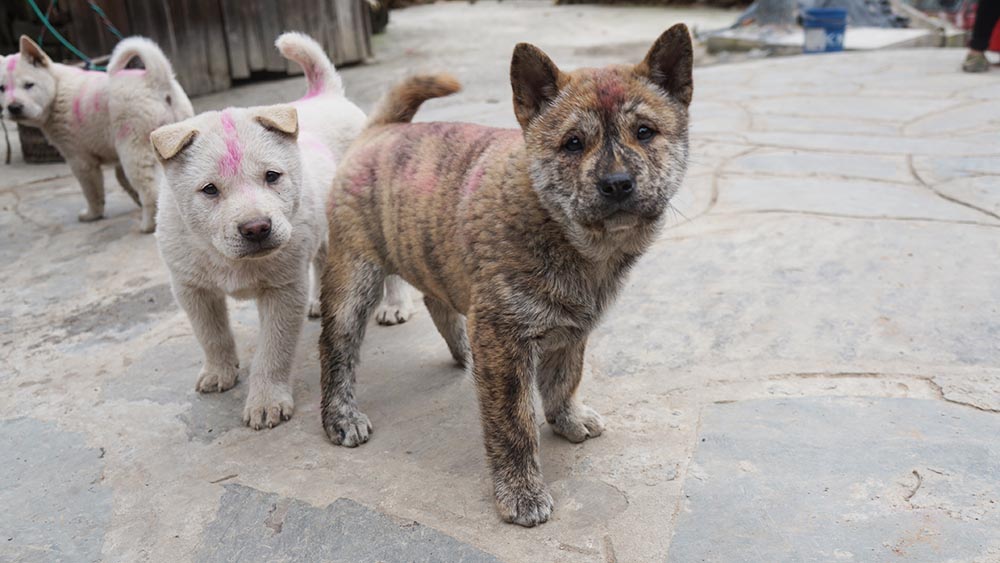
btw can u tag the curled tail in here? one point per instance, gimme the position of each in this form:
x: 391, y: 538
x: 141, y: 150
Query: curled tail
x: 304, y: 50
x: 402, y: 101
x: 158, y: 73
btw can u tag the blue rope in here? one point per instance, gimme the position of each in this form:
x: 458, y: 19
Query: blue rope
x: 57, y: 35
x: 41, y: 33
x: 104, y: 18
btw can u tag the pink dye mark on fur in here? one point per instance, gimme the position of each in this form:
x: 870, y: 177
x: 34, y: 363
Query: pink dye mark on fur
x: 98, y: 101
x: 500, y: 144
x: 610, y: 90
x: 77, y: 101
x: 360, y: 181
x: 475, y: 178
x: 316, y: 78
x: 130, y: 72
x: 229, y: 166
x: 124, y: 131
x: 11, y: 63
x: 312, y: 143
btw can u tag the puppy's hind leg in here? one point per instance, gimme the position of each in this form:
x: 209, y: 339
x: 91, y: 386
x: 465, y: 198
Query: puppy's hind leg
x: 88, y: 173
x: 140, y: 169
x: 397, y: 307
x: 351, y: 291
x: 126, y: 185
x: 319, y: 262
x: 206, y: 309
x: 451, y: 324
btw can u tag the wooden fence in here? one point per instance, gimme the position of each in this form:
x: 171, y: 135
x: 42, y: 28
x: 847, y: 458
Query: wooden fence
x: 212, y: 42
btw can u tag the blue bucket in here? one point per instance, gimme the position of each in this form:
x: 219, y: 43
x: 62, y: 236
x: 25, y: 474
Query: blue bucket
x: 824, y: 29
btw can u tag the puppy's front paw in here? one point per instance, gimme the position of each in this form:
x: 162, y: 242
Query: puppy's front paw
x: 268, y: 405
x: 216, y: 379
x: 315, y: 309
x: 88, y: 215
x: 349, y: 429
x: 527, y: 505
x: 578, y: 423
x: 393, y: 313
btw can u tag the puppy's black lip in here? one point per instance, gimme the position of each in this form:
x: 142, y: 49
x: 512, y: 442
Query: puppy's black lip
x: 260, y: 252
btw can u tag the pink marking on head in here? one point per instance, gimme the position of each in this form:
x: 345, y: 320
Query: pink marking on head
x: 229, y: 166
x: 610, y: 89
x: 11, y: 63
x: 123, y: 131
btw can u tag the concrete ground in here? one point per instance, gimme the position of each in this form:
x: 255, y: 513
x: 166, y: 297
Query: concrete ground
x: 805, y: 367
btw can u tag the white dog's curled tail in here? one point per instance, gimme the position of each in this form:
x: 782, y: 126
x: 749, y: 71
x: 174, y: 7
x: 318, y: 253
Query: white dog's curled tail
x: 304, y: 50
x: 158, y: 72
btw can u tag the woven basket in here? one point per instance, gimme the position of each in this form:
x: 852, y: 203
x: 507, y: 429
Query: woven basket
x: 35, y: 147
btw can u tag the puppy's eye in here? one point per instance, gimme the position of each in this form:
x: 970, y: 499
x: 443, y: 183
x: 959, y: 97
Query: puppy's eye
x: 210, y: 190
x: 573, y: 145
x: 271, y: 176
x: 644, y: 133
x: 28, y: 85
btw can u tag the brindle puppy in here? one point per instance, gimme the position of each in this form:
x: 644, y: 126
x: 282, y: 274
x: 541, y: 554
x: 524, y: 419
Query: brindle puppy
x: 522, y: 238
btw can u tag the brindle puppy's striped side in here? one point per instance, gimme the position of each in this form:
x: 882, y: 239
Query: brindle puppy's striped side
x: 519, y: 240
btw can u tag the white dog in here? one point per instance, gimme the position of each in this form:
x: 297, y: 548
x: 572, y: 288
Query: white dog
x: 96, y: 118
x: 242, y: 214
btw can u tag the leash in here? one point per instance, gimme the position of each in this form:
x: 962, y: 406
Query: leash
x: 104, y: 18
x: 89, y: 63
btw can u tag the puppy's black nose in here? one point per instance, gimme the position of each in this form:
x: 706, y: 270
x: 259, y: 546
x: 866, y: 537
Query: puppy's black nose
x: 15, y: 109
x: 256, y: 230
x: 616, y: 187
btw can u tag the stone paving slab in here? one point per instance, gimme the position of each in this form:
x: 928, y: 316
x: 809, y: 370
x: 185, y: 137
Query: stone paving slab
x: 822, y: 479
x: 56, y: 506
x: 254, y: 526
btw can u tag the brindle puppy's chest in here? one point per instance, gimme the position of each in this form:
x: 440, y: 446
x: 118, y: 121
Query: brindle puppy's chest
x: 567, y: 304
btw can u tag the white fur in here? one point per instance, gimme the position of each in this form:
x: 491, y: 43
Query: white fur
x: 139, y: 102
x: 94, y: 120
x: 199, y: 235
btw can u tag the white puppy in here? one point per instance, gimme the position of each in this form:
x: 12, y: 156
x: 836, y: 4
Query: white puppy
x: 97, y: 118
x: 242, y: 214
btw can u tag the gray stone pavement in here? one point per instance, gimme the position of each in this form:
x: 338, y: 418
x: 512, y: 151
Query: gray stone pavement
x: 805, y: 367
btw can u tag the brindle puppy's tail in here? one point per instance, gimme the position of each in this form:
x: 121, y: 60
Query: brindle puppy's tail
x: 401, y: 103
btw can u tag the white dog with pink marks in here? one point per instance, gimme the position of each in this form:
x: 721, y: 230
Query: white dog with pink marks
x: 242, y: 214
x: 97, y: 118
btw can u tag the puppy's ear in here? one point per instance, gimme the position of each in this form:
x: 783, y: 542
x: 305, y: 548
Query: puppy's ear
x: 33, y: 53
x: 535, y: 81
x: 172, y: 139
x: 280, y: 119
x: 668, y: 63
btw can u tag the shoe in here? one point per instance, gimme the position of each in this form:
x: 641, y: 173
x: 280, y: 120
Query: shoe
x: 976, y: 62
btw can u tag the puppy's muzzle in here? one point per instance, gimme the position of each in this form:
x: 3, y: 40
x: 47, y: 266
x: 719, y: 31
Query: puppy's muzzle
x: 256, y: 230
x: 16, y: 110
x: 616, y: 187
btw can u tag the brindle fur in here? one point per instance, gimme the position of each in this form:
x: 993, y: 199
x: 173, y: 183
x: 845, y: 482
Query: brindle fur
x: 507, y: 229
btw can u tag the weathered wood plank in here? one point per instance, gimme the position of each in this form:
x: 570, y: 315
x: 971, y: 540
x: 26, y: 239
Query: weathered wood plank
x: 232, y: 20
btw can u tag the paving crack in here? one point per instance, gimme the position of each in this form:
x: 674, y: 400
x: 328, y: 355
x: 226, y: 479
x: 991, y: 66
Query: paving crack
x: 831, y: 215
x: 936, y: 387
x: 944, y: 196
